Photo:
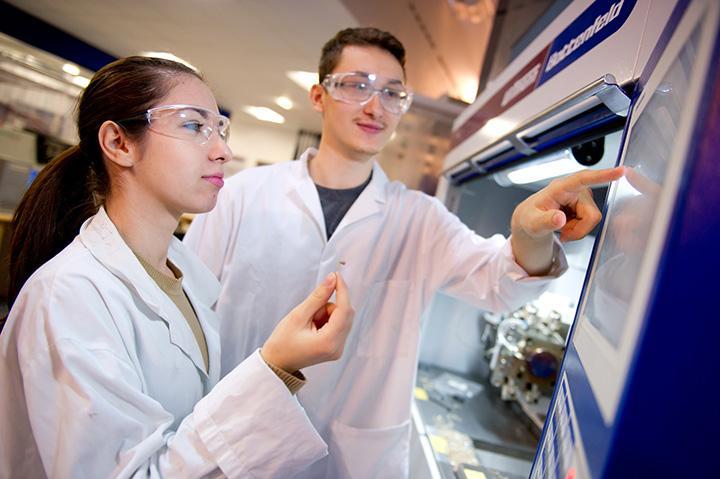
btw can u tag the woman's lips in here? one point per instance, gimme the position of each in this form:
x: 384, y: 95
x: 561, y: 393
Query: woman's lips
x: 216, y: 180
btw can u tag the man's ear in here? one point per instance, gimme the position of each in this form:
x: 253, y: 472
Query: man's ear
x: 317, y: 98
x: 115, y: 144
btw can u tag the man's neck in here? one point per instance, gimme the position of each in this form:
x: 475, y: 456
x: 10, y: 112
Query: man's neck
x: 332, y: 169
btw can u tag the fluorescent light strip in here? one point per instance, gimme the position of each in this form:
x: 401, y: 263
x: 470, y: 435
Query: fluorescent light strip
x: 543, y: 171
x: 263, y: 113
x: 81, y: 81
x: 71, y: 69
x: 284, y: 102
x: 304, y: 80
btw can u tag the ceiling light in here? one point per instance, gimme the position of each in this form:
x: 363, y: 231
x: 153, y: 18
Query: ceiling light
x: 71, y: 69
x: 169, y: 56
x: 284, y: 102
x: 264, y: 114
x: 304, y: 80
x: 468, y: 89
x: 473, y: 11
x: 81, y: 81
x: 563, y: 165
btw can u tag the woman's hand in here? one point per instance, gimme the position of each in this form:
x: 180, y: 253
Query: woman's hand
x: 315, y: 331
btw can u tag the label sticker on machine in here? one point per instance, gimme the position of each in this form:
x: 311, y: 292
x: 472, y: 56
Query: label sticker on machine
x: 593, y: 26
x: 589, y: 29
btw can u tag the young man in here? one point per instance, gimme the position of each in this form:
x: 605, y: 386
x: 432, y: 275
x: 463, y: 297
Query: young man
x: 277, y: 230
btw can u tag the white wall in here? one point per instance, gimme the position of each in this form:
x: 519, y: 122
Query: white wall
x: 254, y: 143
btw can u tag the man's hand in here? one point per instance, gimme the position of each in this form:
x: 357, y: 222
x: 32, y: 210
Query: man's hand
x: 565, y: 205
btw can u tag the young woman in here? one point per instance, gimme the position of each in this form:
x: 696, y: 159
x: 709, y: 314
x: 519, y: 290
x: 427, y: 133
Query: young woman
x: 110, y: 360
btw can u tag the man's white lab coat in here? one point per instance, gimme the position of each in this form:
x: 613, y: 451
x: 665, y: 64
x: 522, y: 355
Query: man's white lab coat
x: 266, y: 243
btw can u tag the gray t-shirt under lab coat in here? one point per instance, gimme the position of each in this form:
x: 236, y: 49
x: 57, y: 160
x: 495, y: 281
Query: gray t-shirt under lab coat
x: 335, y: 203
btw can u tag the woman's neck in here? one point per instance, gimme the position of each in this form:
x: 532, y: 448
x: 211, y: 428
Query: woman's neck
x: 146, y: 230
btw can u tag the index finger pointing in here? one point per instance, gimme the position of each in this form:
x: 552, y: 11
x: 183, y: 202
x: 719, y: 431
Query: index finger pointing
x: 583, y: 179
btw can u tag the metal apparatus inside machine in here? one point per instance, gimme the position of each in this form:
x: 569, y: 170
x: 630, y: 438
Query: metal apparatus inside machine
x: 525, y: 351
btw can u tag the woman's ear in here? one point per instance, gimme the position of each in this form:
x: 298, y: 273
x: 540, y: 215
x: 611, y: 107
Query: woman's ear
x: 115, y: 144
x: 317, y: 98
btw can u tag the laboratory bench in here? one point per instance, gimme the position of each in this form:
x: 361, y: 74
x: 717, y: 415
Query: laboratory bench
x: 463, y: 430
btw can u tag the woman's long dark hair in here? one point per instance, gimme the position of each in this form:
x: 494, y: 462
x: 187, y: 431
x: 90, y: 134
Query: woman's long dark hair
x: 73, y: 185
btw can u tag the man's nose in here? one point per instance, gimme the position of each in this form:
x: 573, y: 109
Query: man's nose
x: 373, y: 106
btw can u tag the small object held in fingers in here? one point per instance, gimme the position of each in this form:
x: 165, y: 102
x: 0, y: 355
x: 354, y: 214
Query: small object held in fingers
x: 321, y: 318
x: 320, y: 323
x: 341, y: 263
x: 569, y: 212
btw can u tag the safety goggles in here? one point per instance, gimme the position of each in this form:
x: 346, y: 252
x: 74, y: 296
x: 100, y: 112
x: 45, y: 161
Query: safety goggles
x: 361, y: 87
x: 186, y: 122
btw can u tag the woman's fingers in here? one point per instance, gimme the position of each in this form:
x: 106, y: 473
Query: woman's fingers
x: 306, y: 310
x: 337, y: 328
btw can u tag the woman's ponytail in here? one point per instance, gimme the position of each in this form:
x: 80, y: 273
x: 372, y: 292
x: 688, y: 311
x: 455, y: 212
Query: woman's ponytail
x: 49, y: 215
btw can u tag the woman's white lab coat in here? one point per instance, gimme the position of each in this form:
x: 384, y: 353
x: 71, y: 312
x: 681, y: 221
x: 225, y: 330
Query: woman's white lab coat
x: 101, y: 376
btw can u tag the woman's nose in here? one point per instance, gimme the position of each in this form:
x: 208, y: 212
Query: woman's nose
x: 219, y: 149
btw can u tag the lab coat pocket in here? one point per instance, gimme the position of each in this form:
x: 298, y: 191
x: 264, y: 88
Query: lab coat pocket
x: 370, y: 453
x: 386, y: 326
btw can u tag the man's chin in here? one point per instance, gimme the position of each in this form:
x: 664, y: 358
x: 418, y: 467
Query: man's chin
x: 370, y: 150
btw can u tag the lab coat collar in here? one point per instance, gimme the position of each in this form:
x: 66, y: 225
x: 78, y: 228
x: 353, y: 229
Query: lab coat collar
x: 305, y: 194
x: 102, y: 239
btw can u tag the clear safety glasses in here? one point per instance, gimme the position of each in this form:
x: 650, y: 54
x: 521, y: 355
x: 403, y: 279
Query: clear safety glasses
x: 360, y: 88
x: 186, y: 122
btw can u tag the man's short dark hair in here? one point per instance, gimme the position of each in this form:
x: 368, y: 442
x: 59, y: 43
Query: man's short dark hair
x: 363, y: 37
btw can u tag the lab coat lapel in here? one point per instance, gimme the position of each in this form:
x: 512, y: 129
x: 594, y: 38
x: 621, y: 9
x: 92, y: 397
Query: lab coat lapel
x: 210, y: 326
x: 202, y: 289
x: 303, y: 193
x: 103, y: 240
x: 370, y: 201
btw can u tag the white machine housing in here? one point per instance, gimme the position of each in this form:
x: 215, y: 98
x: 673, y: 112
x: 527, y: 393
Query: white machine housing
x: 528, y: 103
